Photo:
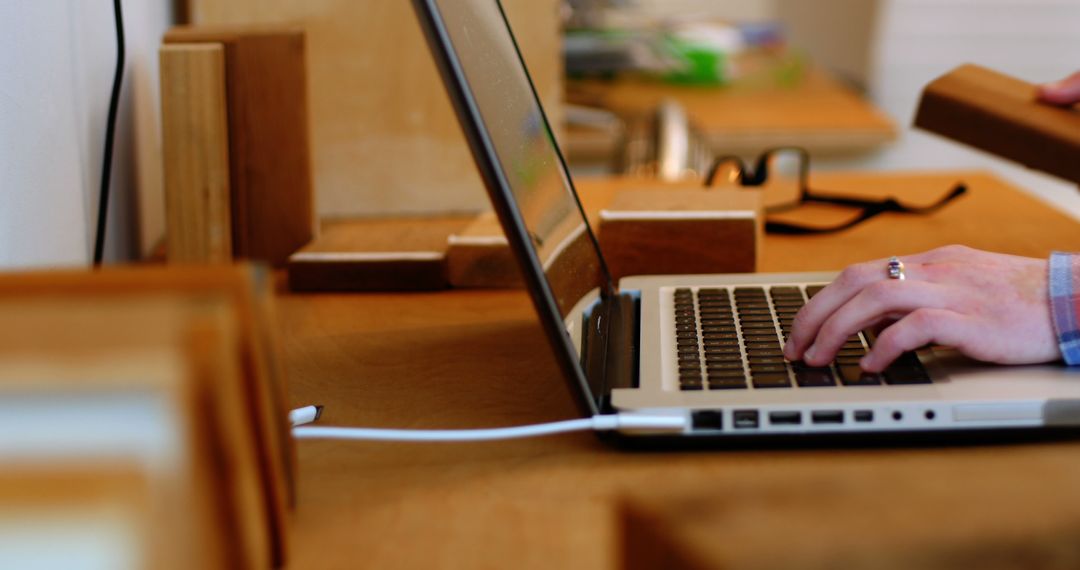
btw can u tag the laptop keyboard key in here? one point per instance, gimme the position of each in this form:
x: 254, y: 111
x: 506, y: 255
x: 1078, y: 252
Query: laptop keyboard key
x: 771, y: 380
x: 906, y: 374
x: 756, y: 369
x: 808, y: 377
x: 758, y: 361
x: 769, y: 353
x: 758, y: 326
x: 852, y: 375
x: 851, y: 353
x: 718, y: 367
x: 727, y: 383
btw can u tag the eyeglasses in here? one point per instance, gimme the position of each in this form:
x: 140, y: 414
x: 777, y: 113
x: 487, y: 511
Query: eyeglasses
x: 783, y: 176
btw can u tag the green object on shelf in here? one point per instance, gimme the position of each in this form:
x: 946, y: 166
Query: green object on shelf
x: 696, y: 64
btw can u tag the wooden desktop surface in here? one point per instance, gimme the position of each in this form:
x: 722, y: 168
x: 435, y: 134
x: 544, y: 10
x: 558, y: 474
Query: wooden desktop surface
x: 474, y: 358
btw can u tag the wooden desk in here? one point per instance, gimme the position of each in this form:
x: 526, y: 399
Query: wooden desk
x: 469, y: 358
x: 817, y: 113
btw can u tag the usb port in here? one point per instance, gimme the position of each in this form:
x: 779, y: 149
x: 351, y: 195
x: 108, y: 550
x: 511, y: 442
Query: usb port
x: 708, y: 419
x: 864, y: 415
x: 827, y: 417
x: 785, y: 418
x: 745, y: 419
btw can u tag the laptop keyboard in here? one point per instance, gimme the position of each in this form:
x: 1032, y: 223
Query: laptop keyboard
x: 731, y: 340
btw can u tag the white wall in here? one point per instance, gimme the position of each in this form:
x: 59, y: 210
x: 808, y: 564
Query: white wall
x: 56, y: 67
x: 917, y: 40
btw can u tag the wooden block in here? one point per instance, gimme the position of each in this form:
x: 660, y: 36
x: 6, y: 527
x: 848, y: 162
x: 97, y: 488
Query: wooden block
x: 640, y: 241
x: 663, y: 231
x: 247, y: 294
x: 273, y: 211
x: 1000, y: 114
x: 480, y: 256
x: 213, y: 338
x: 195, y: 141
x: 71, y: 359
x: 396, y: 254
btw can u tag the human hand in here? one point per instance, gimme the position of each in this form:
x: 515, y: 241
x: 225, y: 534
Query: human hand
x: 989, y: 306
x: 1063, y: 92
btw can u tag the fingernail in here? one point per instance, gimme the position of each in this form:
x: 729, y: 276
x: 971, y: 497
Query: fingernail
x: 810, y: 353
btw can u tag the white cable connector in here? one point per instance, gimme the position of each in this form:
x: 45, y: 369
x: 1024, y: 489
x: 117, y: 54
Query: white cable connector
x: 610, y: 422
x: 304, y: 415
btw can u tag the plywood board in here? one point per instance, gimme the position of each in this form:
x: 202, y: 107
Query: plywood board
x: 196, y: 149
x: 269, y: 150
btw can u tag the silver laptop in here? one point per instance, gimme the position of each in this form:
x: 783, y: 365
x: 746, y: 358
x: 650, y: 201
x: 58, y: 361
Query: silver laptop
x: 703, y: 347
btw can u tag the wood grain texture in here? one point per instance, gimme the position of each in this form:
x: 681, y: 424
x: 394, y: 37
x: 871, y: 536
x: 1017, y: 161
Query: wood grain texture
x: 469, y: 358
x: 384, y: 136
x: 1001, y: 115
x: 195, y: 140
x: 273, y: 209
x: 664, y: 231
x: 871, y: 514
x: 480, y: 256
x: 817, y: 113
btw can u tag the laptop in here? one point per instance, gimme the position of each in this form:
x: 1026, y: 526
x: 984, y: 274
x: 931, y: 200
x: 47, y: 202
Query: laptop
x: 706, y: 348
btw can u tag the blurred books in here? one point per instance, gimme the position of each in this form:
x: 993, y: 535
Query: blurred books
x: 142, y: 420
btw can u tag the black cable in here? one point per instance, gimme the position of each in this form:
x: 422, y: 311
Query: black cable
x: 110, y: 133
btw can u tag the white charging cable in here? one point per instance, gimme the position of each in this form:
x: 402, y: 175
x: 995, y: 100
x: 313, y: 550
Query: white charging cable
x: 607, y: 422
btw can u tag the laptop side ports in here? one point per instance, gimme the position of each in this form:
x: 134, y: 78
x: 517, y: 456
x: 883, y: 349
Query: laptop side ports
x: 744, y: 419
x: 785, y: 418
x: 709, y: 420
x: 827, y: 416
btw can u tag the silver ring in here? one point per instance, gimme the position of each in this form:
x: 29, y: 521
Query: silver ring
x: 896, y: 268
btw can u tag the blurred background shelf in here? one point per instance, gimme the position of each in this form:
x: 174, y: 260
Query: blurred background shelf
x: 815, y: 111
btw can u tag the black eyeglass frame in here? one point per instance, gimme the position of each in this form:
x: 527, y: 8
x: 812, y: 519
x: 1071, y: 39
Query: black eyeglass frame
x: 870, y: 208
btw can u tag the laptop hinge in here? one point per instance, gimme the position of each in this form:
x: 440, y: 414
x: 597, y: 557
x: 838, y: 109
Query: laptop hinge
x: 610, y: 355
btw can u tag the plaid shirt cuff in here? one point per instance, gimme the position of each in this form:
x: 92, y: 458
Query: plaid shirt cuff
x: 1065, y: 303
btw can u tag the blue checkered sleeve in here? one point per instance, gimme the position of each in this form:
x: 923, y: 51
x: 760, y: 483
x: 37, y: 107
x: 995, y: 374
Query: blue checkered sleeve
x: 1065, y: 303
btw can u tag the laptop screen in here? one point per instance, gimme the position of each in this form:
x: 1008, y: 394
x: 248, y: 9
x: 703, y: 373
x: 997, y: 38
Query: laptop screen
x: 524, y: 146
